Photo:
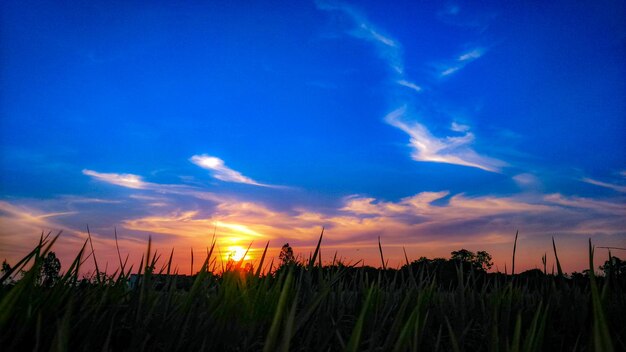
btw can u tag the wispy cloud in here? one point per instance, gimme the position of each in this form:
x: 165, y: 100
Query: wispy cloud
x: 408, y: 84
x: 451, y: 150
x: 457, y: 127
x: 387, y: 47
x: 617, y: 188
x: 222, y: 172
x: 22, y: 227
x: 527, y: 181
x: 471, y: 55
x: 461, y: 61
x: 137, y: 182
x: 124, y: 180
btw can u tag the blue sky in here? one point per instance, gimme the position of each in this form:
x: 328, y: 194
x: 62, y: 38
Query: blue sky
x: 433, y: 125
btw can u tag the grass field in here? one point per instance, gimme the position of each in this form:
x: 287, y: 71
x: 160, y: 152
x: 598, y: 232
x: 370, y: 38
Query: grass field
x: 306, y: 307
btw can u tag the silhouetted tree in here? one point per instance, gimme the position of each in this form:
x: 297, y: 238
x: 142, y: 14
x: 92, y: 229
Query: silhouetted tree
x: 480, y: 260
x: 615, y: 268
x: 483, y: 260
x: 286, y: 256
x: 463, y: 255
x: 5, y: 267
x: 50, y: 269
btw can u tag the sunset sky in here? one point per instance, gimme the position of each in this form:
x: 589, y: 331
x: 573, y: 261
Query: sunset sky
x: 434, y: 125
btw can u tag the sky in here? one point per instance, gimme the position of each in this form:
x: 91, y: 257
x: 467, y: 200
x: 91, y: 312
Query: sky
x: 433, y: 126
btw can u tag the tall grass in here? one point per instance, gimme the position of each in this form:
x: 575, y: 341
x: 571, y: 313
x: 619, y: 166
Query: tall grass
x: 305, y: 307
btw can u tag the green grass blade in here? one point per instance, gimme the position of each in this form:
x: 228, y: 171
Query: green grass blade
x: 355, y: 338
x: 558, y: 263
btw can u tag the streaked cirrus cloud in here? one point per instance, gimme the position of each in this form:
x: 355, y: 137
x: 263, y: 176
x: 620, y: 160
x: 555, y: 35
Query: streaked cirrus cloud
x: 387, y: 47
x: 124, y: 180
x: 450, y: 150
x: 426, y: 147
x: 461, y: 61
x: 220, y: 171
x: 615, y: 187
x: 137, y: 182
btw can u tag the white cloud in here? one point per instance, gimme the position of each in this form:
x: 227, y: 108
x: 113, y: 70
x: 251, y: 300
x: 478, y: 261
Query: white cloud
x: 450, y: 150
x: 222, y: 172
x: 617, y: 188
x: 450, y: 70
x: 472, y: 55
x: 408, y: 84
x: 124, y: 180
x: 457, y: 127
x: 461, y: 61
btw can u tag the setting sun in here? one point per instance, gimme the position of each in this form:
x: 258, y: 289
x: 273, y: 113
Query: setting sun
x: 236, y: 253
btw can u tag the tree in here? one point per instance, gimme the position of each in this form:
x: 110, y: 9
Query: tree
x: 480, y: 260
x: 286, y: 256
x: 483, y: 260
x: 6, y: 268
x: 614, y: 268
x: 463, y: 255
x: 50, y: 269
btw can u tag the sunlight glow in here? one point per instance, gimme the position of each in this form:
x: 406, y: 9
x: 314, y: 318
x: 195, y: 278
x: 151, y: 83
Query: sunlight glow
x: 236, y: 253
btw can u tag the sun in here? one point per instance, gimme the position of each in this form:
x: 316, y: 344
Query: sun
x: 236, y: 253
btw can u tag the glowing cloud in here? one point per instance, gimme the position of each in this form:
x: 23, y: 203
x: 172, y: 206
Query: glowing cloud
x: 124, y: 180
x: 450, y: 150
x: 222, y: 172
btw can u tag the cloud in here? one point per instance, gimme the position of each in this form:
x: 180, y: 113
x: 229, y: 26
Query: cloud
x: 124, y: 180
x: 424, y: 220
x: 22, y: 227
x: 427, y: 223
x: 586, y: 204
x: 450, y: 150
x: 408, y: 84
x: 450, y: 70
x: 387, y: 47
x: 457, y: 127
x: 461, y: 61
x: 527, y: 180
x: 617, y: 188
x: 471, y: 55
x: 136, y: 182
x: 222, y: 172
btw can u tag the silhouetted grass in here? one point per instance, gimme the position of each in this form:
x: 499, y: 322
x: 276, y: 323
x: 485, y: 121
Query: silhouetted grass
x: 306, y: 307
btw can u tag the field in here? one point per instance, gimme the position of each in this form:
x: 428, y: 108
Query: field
x: 303, y: 306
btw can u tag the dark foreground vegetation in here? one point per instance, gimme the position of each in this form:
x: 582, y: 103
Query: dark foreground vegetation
x: 427, y: 305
